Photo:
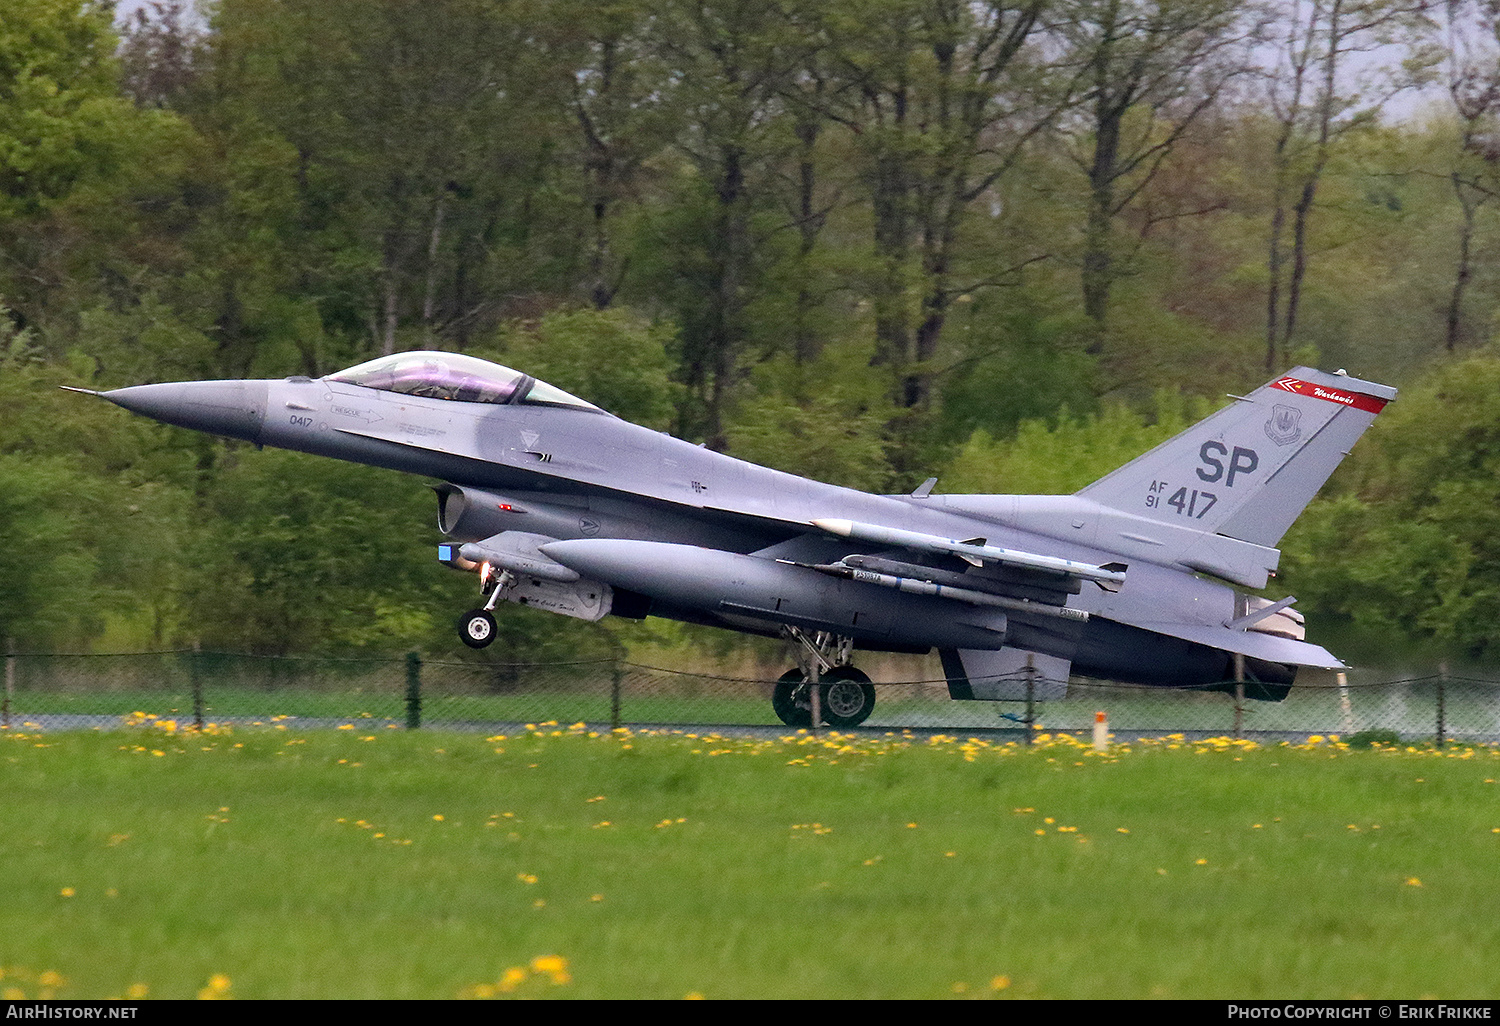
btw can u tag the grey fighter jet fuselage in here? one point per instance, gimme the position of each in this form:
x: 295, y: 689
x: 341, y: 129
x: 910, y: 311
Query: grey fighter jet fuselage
x: 560, y: 505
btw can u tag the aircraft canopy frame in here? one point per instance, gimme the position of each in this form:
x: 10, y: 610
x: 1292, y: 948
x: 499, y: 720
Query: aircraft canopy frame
x: 458, y: 378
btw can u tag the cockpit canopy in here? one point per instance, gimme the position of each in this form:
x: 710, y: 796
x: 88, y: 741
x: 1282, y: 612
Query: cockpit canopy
x: 464, y: 379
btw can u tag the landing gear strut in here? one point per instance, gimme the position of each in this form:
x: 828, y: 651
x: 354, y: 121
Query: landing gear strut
x: 844, y: 695
x: 476, y: 628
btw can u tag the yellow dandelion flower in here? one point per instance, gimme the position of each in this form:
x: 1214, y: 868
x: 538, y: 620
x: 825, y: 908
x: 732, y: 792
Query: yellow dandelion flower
x: 217, y: 988
x: 51, y: 979
x: 136, y: 991
x: 555, y: 966
x: 1000, y: 983
x: 1412, y: 881
x: 67, y: 892
x: 511, y: 979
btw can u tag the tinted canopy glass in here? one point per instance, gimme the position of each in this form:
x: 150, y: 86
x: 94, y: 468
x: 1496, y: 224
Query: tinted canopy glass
x: 460, y: 378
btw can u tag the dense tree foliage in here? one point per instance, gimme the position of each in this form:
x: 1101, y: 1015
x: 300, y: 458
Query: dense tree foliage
x: 1009, y: 243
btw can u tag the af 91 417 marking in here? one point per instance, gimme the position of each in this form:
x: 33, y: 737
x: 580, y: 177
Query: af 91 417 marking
x: 1193, y: 504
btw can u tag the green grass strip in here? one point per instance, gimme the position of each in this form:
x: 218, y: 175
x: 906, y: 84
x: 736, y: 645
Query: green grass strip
x: 379, y: 863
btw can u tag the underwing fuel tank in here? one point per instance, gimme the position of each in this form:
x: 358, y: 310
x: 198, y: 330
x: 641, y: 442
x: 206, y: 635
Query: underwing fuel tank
x: 740, y: 587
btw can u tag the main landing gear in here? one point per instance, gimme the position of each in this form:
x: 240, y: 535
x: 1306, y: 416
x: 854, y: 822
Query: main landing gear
x: 476, y: 628
x: 845, y: 696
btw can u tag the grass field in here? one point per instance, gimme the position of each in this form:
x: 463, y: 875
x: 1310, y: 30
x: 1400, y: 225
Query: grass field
x: 383, y: 863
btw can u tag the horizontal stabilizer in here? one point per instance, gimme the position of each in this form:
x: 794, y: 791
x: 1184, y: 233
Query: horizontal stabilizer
x: 1255, y: 644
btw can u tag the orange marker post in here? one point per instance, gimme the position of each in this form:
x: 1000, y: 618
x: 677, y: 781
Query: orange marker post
x: 1101, y: 731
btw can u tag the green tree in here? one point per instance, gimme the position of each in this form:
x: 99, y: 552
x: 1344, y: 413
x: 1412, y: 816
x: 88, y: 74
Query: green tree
x: 1410, y: 543
x: 307, y: 554
x: 735, y: 59
x: 1151, y: 71
x: 612, y: 358
x: 78, y: 165
x: 942, y: 99
x: 1316, y: 107
x: 835, y: 434
x: 418, y: 142
x: 59, y: 107
x: 1473, y: 71
x: 621, y: 90
x: 46, y: 561
x: 94, y: 513
x: 1060, y: 458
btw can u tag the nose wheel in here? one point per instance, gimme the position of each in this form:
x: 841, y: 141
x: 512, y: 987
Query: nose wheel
x: 477, y: 628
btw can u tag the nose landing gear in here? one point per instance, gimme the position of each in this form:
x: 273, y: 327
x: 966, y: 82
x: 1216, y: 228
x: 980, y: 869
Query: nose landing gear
x: 476, y: 628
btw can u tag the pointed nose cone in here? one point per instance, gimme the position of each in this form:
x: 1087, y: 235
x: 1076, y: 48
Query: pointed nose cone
x: 233, y: 408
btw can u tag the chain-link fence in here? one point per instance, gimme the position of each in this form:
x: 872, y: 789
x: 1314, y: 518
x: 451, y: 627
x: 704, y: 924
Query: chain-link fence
x: 60, y: 692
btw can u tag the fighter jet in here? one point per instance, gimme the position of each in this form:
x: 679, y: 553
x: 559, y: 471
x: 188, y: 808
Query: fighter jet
x: 1141, y: 577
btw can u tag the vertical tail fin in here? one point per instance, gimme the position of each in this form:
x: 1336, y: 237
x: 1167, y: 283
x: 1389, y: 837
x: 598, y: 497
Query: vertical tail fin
x: 1247, y: 471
